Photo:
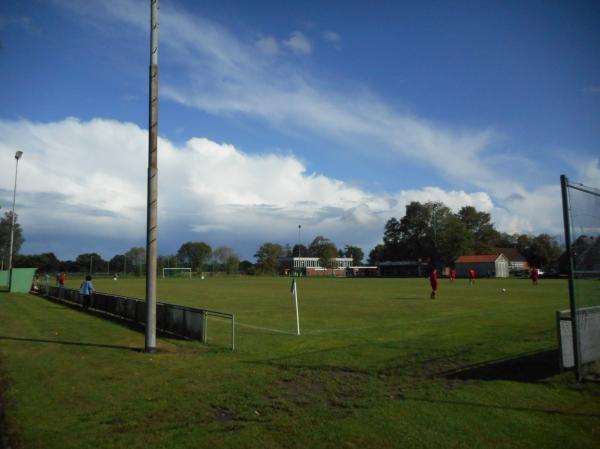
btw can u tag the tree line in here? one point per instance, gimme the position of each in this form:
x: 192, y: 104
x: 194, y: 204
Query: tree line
x: 431, y: 232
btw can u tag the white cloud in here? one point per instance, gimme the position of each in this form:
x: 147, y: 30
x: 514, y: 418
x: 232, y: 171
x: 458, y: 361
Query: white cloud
x: 331, y: 37
x: 86, y: 181
x: 299, y: 43
x: 268, y: 45
x: 229, y: 77
x: 588, y: 171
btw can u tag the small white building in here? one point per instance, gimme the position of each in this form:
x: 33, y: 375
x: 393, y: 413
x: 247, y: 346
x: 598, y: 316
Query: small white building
x: 485, y: 265
x: 516, y: 261
x: 310, y: 266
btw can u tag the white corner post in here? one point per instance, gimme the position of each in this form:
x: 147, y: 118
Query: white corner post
x: 295, y: 292
x: 152, y: 225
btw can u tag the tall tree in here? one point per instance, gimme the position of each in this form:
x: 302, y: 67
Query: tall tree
x: 88, y: 261
x: 196, y: 254
x: 416, y: 233
x: 325, y: 250
x: 376, y: 255
x: 356, y: 253
x: 135, y: 258
x: 247, y: 267
x: 544, y: 250
x: 392, y: 240
x: 299, y: 250
x: 267, y: 257
x: 317, y: 246
x: 222, y: 253
x: 453, y: 240
x: 5, y: 227
x: 117, y: 264
x: 227, y: 258
x: 479, y: 224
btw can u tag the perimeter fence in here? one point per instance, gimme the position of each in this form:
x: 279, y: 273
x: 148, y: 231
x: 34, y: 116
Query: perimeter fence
x: 580, y: 337
x: 181, y: 321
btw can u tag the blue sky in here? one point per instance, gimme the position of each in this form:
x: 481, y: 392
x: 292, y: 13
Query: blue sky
x: 332, y: 115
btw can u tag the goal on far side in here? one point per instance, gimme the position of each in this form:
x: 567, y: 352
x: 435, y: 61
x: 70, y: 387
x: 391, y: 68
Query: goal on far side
x: 177, y: 273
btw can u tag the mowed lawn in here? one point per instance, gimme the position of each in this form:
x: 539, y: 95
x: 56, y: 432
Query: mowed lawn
x: 378, y: 365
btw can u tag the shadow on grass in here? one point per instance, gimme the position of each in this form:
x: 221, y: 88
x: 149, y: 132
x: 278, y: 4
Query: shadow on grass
x: 71, y: 343
x: 503, y: 407
x: 529, y: 367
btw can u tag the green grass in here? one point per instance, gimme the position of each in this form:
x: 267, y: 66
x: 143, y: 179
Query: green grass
x: 367, y: 371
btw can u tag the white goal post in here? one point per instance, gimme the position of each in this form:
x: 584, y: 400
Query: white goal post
x: 182, y: 272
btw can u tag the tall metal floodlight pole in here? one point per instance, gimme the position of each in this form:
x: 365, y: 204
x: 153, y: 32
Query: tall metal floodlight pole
x: 18, y: 155
x: 299, y: 228
x: 151, y: 230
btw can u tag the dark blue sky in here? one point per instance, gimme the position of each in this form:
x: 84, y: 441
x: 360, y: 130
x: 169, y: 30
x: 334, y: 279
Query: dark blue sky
x: 494, y: 97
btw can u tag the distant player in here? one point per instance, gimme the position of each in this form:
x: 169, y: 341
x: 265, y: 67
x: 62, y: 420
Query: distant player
x: 433, y: 280
x: 452, y: 275
x: 535, y: 275
x: 472, y: 276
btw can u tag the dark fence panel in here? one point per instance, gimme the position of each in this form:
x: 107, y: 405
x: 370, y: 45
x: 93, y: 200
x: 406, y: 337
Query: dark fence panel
x: 178, y: 320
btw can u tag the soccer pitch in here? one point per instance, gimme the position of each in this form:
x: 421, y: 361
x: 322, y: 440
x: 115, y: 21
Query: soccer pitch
x: 378, y: 364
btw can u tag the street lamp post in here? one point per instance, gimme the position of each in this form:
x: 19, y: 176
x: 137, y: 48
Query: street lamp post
x: 18, y: 155
x: 299, y: 228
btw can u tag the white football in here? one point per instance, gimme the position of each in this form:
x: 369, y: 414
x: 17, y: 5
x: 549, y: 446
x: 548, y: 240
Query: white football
x: 503, y: 290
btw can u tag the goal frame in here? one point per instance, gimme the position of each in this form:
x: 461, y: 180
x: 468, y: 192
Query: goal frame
x: 189, y: 270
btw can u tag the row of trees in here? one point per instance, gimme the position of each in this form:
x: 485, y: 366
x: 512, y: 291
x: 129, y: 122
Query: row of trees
x: 432, y: 232
x: 428, y: 231
x: 198, y: 256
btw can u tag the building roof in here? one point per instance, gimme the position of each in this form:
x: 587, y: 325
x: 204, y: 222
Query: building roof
x: 482, y: 258
x: 512, y: 254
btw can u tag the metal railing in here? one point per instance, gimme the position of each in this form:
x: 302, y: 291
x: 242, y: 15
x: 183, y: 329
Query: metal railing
x: 182, y: 321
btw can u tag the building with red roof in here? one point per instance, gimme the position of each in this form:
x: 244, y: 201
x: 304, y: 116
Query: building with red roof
x: 485, y: 265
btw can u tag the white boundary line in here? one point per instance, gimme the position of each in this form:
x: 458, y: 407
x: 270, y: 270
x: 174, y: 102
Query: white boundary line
x: 348, y: 329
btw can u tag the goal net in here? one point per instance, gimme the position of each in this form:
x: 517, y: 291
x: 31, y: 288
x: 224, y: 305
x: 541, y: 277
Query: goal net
x: 177, y: 273
x: 580, y: 338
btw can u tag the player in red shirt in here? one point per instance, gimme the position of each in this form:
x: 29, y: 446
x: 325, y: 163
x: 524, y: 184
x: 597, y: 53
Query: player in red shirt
x: 433, y: 280
x: 535, y: 275
x: 452, y: 275
x: 472, y: 276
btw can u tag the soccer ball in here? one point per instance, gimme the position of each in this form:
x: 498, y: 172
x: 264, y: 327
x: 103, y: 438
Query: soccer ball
x: 503, y: 290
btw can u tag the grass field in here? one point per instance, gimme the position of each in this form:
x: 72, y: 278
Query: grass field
x: 378, y: 365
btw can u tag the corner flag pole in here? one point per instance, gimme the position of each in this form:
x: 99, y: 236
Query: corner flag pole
x: 295, y: 293
x: 151, y: 228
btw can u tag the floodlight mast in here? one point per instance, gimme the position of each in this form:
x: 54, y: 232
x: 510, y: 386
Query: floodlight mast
x: 18, y: 155
x: 151, y: 229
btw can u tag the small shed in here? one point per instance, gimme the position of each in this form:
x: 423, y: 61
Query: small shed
x: 485, y: 265
x: 516, y: 260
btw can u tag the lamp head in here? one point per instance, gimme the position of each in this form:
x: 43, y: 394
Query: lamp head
x: 18, y: 155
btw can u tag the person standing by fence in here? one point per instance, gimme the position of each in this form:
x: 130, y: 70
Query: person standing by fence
x: 86, y: 289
